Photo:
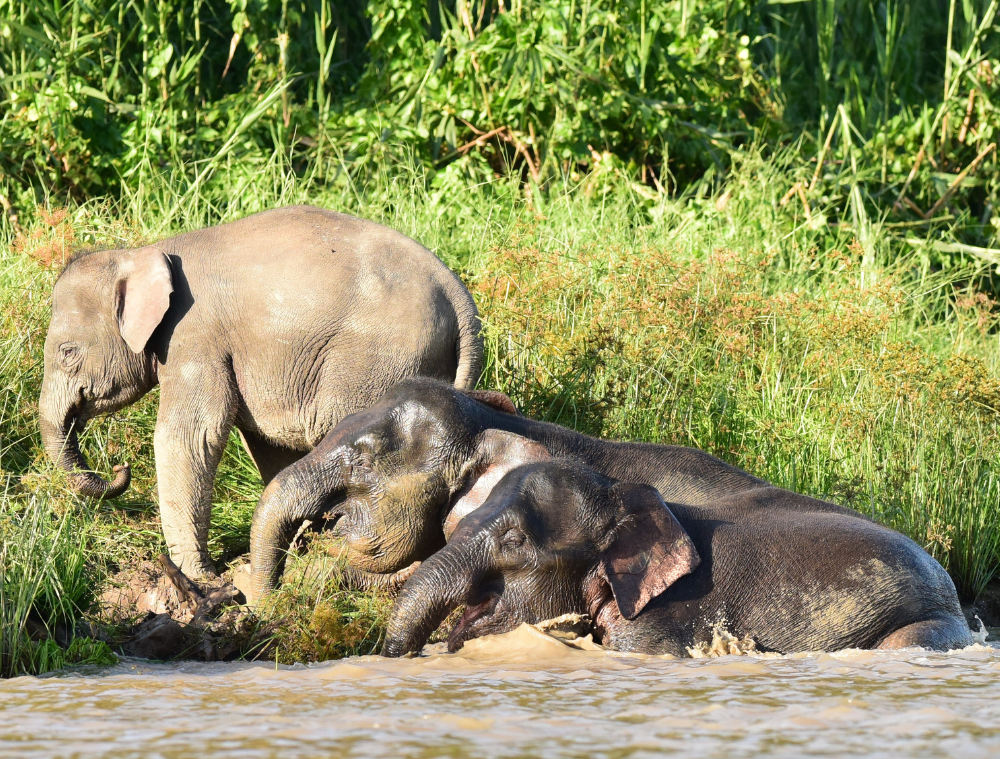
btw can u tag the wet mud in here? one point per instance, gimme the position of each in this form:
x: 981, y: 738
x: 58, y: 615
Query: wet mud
x: 151, y: 610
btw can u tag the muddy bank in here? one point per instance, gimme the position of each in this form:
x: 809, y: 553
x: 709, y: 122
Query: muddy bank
x: 153, y: 611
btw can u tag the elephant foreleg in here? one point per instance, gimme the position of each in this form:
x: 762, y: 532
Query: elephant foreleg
x: 192, y: 429
x: 269, y: 458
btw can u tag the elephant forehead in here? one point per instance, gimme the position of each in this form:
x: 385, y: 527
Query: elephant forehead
x: 69, y: 307
x: 562, y: 513
x: 75, y: 306
x: 418, y: 426
x: 88, y: 270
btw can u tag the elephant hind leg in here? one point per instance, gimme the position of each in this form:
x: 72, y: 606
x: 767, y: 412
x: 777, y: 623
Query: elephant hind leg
x: 936, y: 634
x: 269, y: 458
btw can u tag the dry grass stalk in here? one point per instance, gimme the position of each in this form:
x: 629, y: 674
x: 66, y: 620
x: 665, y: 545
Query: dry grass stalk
x: 822, y: 154
x: 968, y: 116
x: 909, y: 179
x: 797, y: 189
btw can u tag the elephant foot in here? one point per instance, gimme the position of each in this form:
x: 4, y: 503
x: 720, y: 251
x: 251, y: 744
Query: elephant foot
x: 935, y: 634
x: 196, y: 566
x: 391, y: 582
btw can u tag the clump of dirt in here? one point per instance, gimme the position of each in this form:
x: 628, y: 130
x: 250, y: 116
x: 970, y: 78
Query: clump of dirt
x: 723, y: 643
x: 574, y: 630
x: 157, y: 612
x: 567, y: 627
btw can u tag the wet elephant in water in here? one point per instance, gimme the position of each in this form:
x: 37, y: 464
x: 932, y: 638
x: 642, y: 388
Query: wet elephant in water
x: 792, y: 573
x: 395, y: 479
x: 279, y: 325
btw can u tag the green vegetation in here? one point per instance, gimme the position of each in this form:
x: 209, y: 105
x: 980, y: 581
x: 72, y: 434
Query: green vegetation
x: 888, y: 100
x: 44, y: 587
x: 767, y: 230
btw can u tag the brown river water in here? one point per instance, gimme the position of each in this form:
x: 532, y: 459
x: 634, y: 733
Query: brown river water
x: 518, y: 695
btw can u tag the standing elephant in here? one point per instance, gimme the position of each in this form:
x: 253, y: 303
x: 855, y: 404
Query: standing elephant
x: 791, y: 573
x: 279, y: 324
x: 395, y: 479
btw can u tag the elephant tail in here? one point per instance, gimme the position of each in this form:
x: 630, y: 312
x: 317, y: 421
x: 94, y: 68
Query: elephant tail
x: 469, y: 348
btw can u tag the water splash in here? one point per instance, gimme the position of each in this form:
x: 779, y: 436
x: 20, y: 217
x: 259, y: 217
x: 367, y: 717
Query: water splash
x: 723, y: 643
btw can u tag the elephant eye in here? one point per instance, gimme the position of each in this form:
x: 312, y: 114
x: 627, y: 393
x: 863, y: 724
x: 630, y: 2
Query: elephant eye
x: 512, y: 539
x: 69, y: 353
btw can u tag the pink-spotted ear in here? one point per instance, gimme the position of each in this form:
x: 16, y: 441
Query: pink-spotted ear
x: 143, y: 295
x: 650, y: 550
x: 497, y: 452
x: 494, y: 399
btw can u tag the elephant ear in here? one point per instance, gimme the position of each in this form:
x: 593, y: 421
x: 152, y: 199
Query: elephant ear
x: 143, y: 295
x: 650, y: 550
x: 497, y: 452
x: 494, y: 399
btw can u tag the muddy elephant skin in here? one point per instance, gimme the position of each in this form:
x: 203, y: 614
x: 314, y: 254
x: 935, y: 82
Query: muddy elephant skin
x: 790, y: 573
x: 280, y: 325
x: 394, y: 480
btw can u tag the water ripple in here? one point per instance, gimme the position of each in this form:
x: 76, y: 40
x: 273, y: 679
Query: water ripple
x: 517, y: 695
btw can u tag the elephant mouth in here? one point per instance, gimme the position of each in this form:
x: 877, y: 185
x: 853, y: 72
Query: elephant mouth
x: 466, y: 626
x: 333, y: 519
x: 336, y: 517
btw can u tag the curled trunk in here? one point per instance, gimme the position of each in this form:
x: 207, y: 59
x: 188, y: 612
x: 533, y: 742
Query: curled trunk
x: 435, y: 590
x: 61, y: 443
x: 296, y: 494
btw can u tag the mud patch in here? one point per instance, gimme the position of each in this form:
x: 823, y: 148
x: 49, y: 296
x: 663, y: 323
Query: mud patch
x: 157, y: 612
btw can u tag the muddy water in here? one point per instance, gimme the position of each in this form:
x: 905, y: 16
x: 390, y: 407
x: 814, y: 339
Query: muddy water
x: 518, y: 695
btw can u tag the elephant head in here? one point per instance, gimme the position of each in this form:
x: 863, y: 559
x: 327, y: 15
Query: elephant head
x: 105, y: 307
x: 552, y: 538
x: 388, y: 479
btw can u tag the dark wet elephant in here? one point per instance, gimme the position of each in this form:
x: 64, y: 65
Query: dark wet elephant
x: 792, y: 573
x: 394, y: 480
x: 279, y: 325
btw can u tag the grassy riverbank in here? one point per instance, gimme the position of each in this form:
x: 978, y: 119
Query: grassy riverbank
x: 836, y: 361
x: 768, y: 230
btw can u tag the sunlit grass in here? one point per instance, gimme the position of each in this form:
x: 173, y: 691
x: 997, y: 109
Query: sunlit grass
x: 46, y: 583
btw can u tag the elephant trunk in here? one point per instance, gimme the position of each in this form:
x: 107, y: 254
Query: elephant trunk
x: 296, y: 494
x: 61, y: 443
x: 440, y: 584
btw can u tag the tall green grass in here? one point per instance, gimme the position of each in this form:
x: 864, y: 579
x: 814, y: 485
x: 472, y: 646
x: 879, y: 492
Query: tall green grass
x: 886, y: 101
x: 47, y: 576
x: 46, y: 583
